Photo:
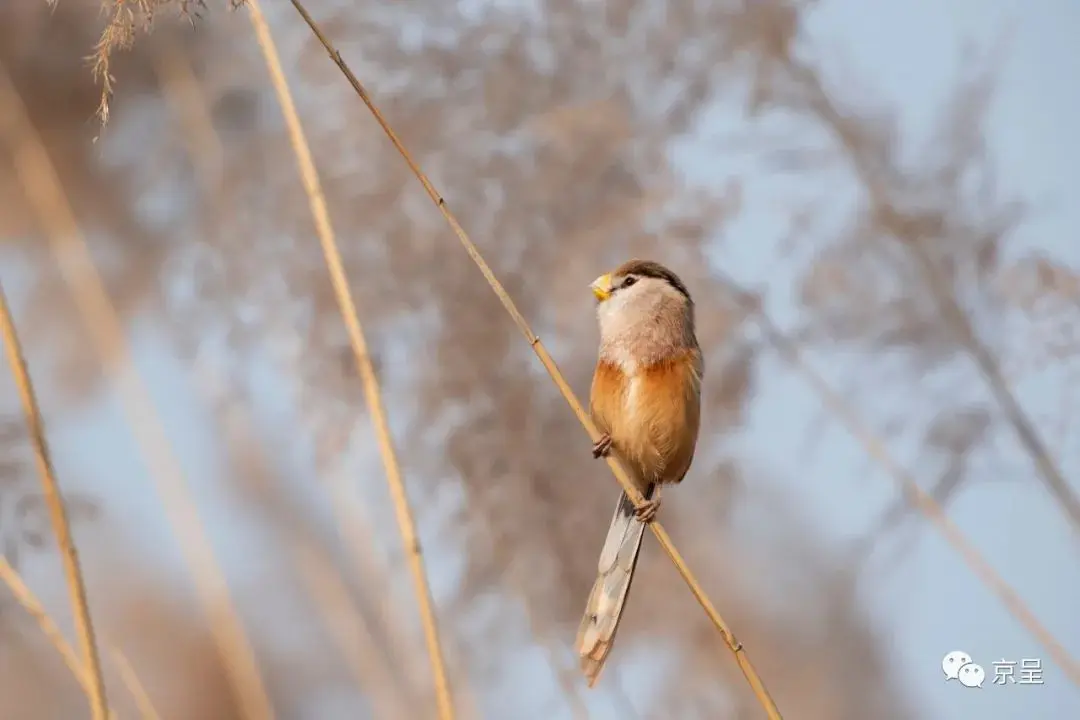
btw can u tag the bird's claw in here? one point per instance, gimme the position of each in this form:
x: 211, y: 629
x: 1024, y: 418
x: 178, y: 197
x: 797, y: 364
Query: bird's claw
x: 602, y: 446
x: 646, y: 512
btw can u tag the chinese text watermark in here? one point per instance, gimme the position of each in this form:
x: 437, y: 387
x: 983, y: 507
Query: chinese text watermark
x: 957, y: 665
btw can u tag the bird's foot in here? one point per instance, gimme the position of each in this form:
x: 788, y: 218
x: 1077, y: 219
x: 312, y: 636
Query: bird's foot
x: 602, y: 446
x: 646, y: 512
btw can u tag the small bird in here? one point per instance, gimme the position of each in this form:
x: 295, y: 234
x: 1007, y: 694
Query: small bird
x: 646, y: 402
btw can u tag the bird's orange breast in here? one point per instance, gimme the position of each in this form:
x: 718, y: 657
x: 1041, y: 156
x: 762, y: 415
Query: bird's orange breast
x: 652, y: 415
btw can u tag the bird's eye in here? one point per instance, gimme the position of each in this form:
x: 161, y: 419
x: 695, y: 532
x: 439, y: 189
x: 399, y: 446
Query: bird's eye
x: 629, y: 281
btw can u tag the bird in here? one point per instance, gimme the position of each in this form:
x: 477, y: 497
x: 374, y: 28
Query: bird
x: 645, y: 401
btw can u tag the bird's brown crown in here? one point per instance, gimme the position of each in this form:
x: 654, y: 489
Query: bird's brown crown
x: 648, y: 268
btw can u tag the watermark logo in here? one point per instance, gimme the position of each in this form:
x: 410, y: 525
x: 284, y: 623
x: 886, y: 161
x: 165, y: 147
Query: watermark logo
x: 972, y: 675
x: 958, y: 665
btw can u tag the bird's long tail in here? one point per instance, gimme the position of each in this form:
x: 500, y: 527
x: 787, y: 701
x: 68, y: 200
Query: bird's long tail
x: 608, y: 597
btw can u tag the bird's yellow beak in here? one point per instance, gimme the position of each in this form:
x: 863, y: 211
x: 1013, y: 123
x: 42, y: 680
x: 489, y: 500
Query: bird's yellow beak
x: 601, y: 287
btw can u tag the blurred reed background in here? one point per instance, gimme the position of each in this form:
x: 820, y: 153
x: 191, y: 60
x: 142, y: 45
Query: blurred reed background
x: 869, y: 201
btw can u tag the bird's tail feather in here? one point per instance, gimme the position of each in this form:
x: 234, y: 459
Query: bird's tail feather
x: 608, y: 597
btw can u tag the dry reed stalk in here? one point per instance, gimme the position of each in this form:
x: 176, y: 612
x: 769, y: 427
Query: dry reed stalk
x: 25, y: 597
x: 923, y: 501
x: 346, y: 626
x: 131, y: 681
x: 369, y: 567
x: 45, y: 193
x: 736, y: 647
x: 84, y: 626
x: 183, y: 90
x: 372, y: 391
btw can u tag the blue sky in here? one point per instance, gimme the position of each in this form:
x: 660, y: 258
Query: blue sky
x: 930, y: 602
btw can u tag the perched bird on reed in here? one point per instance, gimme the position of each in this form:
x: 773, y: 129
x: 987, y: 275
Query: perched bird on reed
x: 646, y: 402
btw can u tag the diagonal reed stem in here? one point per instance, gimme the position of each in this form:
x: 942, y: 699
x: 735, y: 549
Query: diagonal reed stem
x: 45, y: 193
x: 30, y: 602
x: 372, y: 392
x: 131, y: 681
x: 545, y: 358
x: 348, y: 627
x: 26, y: 597
x: 84, y: 627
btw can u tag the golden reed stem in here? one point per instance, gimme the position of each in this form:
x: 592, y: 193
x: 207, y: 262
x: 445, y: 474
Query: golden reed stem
x: 372, y: 392
x: 84, y: 627
x: 25, y: 597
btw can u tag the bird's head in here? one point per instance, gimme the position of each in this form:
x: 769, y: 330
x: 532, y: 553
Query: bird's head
x: 638, y: 283
x: 641, y: 291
